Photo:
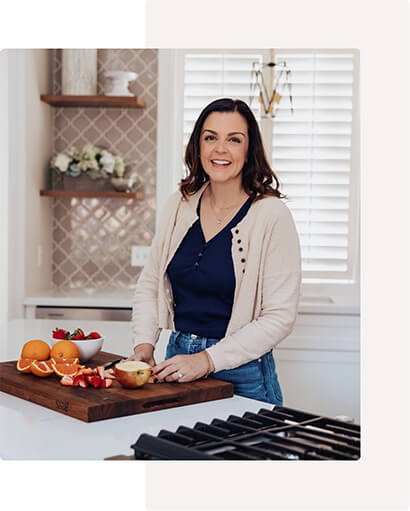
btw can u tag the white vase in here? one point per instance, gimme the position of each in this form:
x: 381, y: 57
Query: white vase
x: 119, y: 82
x: 79, y: 72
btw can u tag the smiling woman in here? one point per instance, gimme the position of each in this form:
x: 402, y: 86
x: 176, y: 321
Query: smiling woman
x: 224, y: 269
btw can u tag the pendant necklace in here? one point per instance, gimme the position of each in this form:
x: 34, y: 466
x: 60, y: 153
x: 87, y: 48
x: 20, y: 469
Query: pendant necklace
x: 219, y: 221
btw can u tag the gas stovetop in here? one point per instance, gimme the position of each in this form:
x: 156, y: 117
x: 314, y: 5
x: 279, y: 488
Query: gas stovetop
x: 271, y: 434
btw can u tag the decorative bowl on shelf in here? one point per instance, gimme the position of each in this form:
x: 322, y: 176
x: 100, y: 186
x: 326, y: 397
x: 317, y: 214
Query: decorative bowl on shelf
x: 120, y: 184
x: 127, y: 183
x: 119, y: 82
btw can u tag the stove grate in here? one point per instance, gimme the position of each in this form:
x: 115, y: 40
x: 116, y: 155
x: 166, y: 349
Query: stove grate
x: 277, y: 434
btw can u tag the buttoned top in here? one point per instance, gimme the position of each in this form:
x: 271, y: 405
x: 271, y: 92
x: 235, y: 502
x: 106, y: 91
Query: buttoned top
x: 267, y: 265
x: 203, y: 279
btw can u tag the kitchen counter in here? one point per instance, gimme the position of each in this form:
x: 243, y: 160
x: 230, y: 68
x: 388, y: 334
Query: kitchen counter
x: 341, y: 304
x: 32, y: 432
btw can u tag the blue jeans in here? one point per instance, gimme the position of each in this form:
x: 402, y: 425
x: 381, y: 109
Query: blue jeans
x: 256, y: 379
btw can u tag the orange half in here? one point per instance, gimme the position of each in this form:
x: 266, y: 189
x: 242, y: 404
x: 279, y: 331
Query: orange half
x: 64, y: 360
x: 41, y: 368
x: 65, y: 369
x: 24, y: 365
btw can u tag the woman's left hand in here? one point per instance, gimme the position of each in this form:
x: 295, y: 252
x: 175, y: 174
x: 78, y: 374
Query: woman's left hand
x: 191, y: 367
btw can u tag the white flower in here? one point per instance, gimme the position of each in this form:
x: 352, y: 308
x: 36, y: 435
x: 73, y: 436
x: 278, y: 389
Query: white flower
x: 72, y: 152
x: 83, y: 165
x: 61, y: 162
x: 119, y: 166
x: 89, y: 152
x: 107, y: 161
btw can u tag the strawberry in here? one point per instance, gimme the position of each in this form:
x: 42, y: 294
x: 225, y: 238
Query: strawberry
x: 60, y: 333
x: 100, y: 372
x: 67, y: 380
x: 95, y: 381
x: 77, y: 378
x: 77, y: 335
x: 87, y: 371
x: 108, y: 375
x: 93, y: 335
x: 83, y: 384
x: 105, y: 384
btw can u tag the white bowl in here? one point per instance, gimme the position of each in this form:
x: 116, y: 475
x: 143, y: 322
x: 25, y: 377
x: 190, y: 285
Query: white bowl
x: 88, y: 348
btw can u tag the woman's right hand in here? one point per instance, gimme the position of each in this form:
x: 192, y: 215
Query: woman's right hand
x: 144, y: 352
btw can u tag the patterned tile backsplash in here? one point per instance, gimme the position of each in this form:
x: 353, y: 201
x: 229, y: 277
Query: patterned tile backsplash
x: 92, y: 238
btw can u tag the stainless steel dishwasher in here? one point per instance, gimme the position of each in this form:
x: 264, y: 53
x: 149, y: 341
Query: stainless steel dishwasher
x: 86, y: 313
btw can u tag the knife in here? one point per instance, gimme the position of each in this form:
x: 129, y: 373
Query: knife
x: 113, y: 362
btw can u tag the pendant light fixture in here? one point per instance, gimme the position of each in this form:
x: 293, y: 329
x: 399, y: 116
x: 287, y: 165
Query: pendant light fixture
x: 269, y: 97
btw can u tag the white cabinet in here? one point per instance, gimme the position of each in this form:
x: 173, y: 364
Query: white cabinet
x: 319, y: 365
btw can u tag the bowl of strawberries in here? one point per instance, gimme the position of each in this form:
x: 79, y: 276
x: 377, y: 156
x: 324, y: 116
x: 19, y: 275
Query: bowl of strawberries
x: 88, y: 344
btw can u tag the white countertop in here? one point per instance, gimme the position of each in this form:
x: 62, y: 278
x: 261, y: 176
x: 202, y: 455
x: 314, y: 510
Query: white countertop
x: 32, y: 432
x: 123, y: 299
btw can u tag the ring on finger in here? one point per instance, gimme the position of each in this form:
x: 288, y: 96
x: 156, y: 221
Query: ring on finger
x: 180, y: 375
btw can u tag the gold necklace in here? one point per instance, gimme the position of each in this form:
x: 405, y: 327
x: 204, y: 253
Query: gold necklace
x: 219, y: 221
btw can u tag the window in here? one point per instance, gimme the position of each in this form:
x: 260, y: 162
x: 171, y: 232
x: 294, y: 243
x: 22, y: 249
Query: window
x: 312, y: 155
x: 314, y: 151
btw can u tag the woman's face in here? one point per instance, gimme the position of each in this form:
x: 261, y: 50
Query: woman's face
x: 223, y: 146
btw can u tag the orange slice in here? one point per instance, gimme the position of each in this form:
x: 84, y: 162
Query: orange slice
x: 24, y: 365
x: 64, y: 360
x: 65, y: 369
x: 41, y: 368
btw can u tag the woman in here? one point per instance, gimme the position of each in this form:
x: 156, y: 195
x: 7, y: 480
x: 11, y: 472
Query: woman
x: 224, y: 268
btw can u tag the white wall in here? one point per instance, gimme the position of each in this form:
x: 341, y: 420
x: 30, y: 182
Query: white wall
x: 4, y: 187
x: 29, y: 147
x: 16, y: 181
x: 38, y: 214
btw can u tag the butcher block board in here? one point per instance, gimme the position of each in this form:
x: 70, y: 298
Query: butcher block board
x: 92, y: 404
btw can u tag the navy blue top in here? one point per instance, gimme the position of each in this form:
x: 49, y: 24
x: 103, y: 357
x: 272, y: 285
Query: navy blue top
x: 203, y: 280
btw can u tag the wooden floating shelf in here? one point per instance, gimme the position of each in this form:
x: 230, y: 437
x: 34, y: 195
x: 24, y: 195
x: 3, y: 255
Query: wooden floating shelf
x: 94, y: 101
x: 92, y: 194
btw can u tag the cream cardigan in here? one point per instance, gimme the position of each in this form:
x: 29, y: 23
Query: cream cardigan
x: 267, y: 275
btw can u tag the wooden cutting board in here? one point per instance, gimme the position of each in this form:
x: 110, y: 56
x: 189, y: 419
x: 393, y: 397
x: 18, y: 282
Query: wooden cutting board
x: 92, y: 404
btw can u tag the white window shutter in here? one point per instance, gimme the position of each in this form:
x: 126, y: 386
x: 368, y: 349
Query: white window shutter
x: 311, y: 148
x: 312, y: 156
x: 209, y: 76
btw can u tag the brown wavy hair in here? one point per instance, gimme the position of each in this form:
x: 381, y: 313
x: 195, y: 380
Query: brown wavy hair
x: 257, y: 175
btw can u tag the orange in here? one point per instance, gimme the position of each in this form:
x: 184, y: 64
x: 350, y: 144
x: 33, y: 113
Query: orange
x: 64, y: 360
x: 64, y: 349
x: 41, y: 368
x: 65, y: 369
x: 36, y: 350
x: 24, y: 365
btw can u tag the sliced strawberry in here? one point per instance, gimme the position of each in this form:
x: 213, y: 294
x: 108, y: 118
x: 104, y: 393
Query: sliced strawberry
x: 108, y: 375
x: 86, y: 371
x: 83, y: 384
x: 105, y: 384
x: 77, y: 378
x: 95, y: 381
x: 100, y: 372
x: 67, y: 380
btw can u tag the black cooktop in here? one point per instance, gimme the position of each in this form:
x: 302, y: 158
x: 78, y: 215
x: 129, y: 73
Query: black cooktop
x: 279, y: 433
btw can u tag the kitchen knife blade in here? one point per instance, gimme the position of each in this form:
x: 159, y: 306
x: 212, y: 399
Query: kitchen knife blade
x: 113, y: 362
